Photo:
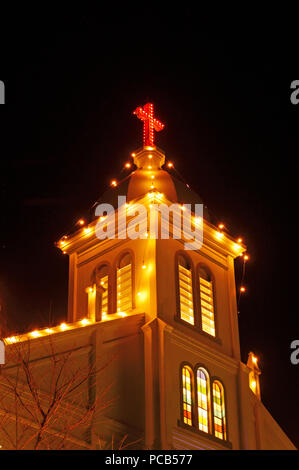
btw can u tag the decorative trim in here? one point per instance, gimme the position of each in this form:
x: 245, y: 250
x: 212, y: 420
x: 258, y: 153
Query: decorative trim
x: 208, y: 353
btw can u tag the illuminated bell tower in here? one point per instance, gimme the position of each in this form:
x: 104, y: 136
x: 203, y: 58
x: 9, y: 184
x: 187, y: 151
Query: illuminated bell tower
x: 168, y: 314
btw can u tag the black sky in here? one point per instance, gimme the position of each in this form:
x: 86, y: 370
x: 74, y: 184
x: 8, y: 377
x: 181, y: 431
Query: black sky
x: 72, y: 81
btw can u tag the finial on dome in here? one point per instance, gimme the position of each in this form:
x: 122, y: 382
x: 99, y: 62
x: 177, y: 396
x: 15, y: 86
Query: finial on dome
x: 149, y: 158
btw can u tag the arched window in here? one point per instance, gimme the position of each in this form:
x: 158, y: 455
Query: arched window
x: 219, y: 410
x: 206, y: 302
x: 187, y: 384
x: 185, y: 290
x: 203, y: 399
x: 102, y: 284
x: 124, y: 283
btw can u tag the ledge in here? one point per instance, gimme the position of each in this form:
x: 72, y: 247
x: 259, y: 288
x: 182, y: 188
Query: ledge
x: 205, y: 435
x: 195, y: 328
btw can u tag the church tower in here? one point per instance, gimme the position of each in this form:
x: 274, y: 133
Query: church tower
x: 180, y: 380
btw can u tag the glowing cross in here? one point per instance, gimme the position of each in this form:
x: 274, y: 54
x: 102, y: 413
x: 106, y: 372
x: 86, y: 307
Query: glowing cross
x: 150, y: 124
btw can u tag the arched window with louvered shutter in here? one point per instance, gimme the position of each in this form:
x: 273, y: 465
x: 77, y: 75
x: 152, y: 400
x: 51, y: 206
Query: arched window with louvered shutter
x: 124, y: 284
x: 207, y: 308
x: 185, y: 287
x: 102, y: 283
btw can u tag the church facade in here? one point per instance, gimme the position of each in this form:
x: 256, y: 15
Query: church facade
x: 165, y: 320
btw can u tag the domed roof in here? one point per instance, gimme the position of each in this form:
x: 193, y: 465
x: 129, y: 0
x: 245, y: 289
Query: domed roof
x: 150, y: 176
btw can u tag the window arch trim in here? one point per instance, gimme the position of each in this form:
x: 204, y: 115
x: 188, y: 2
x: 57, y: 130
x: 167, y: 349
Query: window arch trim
x: 115, y: 268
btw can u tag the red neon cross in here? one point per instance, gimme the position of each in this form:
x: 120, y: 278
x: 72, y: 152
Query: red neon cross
x: 150, y: 124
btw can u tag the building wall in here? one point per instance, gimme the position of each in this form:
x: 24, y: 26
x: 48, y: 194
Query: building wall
x: 181, y: 348
x: 144, y: 280
x: 113, y: 348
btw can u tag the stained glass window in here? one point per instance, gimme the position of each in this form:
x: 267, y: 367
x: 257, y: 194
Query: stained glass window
x: 124, y: 284
x: 219, y: 410
x: 203, y: 405
x: 187, y: 394
x: 185, y: 291
x: 206, y: 304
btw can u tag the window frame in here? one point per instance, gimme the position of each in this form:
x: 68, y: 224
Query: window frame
x: 94, y: 279
x: 117, y: 261
x: 210, y: 415
x: 189, y: 366
x: 204, y: 267
x: 177, y: 290
x: 213, y: 380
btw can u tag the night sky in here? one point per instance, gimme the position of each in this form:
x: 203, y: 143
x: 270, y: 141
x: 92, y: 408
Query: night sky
x: 72, y: 81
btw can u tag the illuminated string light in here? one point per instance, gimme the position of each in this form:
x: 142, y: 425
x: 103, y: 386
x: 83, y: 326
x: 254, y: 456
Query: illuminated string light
x: 240, y: 240
x: 128, y: 165
x: 85, y: 321
x: 221, y: 226
x: 12, y: 339
x: 253, y: 384
x: 246, y: 257
x: 63, y: 326
x: 35, y: 333
x: 81, y: 222
x: 170, y: 165
x: 113, y: 183
x: 242, y: 289
x: 133, y: 155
